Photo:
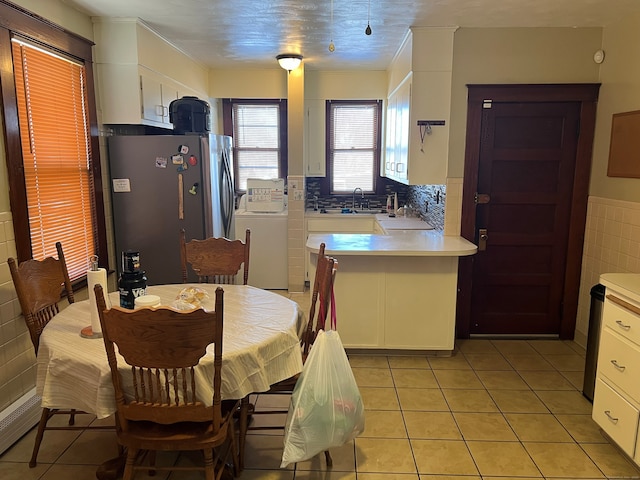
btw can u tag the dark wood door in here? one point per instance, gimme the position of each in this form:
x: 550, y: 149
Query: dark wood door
x: 525, y: 175
x: 519, y: 207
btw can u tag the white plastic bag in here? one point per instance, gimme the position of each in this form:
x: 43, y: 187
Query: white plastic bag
x: 326, y: 408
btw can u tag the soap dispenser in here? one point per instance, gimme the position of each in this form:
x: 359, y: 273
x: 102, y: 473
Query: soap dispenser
x: 390, y: 209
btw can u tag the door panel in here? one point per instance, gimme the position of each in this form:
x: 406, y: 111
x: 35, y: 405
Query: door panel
x: 526, y: 167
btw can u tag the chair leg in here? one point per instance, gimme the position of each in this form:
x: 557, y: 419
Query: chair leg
x: 328, y: 459
x: 209, y: 472
x: 128, y: 466
x: 152, y: 462
x: 44, y: 418
x: 72, y: 417
x: 244, y: 425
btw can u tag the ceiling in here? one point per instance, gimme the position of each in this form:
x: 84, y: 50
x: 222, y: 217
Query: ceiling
x: 250, y: 33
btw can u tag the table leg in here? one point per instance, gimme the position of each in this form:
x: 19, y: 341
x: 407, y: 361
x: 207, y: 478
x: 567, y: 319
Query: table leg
x: 246, y: 409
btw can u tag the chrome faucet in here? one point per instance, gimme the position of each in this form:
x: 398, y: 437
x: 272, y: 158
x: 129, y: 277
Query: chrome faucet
x: 353, y: 200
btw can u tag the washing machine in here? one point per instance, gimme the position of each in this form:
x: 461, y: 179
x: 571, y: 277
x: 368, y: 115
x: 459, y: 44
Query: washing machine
x: 263, y: 210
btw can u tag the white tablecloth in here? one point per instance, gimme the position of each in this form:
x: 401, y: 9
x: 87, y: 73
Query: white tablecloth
x: 260, y: 347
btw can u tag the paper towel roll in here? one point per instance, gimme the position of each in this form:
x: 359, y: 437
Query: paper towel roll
x: 97, y: 277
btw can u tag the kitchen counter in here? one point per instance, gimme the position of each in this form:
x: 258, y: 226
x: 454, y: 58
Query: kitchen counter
x: 409, y: 243
x: 386, y: 222
x: 627, y: 284
x: 394, y: 291
x: 401, y: 223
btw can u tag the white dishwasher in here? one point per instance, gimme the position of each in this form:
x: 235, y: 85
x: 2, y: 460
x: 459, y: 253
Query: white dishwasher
x: 264, y: 211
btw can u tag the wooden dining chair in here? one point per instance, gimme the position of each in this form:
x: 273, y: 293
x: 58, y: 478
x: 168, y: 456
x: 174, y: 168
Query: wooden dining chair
x: 216, y: 260
x: 156, y: 392
x: 326, y: 269
x: 39, y: 285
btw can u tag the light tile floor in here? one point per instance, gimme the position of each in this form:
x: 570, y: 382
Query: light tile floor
x: 496, y: 409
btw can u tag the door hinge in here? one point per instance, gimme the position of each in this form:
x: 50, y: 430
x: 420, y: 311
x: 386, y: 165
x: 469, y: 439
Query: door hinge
x: 487, y: 103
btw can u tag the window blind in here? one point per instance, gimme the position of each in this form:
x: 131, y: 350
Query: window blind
x: 256, y: 136
x: 353, y: 146
x: 56, y: 149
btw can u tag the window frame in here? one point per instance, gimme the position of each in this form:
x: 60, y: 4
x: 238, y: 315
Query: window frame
x: 20, y: 22
x: 378, y: 181
x: 227, y: 114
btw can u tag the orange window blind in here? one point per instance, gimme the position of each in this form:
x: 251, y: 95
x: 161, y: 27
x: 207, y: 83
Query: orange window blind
x: 56, y: 150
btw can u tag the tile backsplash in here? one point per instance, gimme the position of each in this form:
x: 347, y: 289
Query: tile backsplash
x: 427, y: 201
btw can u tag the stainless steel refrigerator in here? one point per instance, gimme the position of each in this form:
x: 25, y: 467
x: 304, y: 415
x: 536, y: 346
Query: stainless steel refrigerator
x: 163, y: 183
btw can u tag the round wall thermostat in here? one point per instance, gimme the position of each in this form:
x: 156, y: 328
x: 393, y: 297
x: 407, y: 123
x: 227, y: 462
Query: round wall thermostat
x: 598, y: 57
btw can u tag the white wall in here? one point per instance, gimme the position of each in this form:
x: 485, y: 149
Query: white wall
x: 515, y: 55
x: 620, y: 92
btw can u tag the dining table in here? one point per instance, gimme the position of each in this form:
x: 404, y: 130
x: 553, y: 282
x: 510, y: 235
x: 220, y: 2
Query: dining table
x: 260, y: 347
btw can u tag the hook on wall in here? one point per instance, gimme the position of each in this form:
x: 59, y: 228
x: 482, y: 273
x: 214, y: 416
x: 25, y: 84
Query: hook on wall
x: 425, y: 129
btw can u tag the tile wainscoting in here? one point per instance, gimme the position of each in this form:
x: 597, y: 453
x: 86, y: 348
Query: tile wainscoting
x: 17, y: 358
x: 611, y: 245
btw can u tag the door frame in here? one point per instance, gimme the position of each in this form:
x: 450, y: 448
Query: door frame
x: 587, y: 95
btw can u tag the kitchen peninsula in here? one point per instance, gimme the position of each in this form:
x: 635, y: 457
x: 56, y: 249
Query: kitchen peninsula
x: 394, y: 290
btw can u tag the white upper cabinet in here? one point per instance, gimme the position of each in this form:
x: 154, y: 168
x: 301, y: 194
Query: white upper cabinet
x: 419, y: 92
x: 139, y: 74
x: 156, y: 98
x: 397, y: 141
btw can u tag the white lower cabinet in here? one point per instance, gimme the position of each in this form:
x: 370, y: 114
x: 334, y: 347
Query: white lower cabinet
x: 617, y: 417
x: 620, y: 362
x: 395, y: 302
x: 616, y: 401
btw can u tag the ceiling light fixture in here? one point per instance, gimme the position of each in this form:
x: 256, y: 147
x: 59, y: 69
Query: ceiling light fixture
x: 289, y: 61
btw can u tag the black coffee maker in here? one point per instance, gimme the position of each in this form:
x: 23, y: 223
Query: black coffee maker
x: 132, y: 282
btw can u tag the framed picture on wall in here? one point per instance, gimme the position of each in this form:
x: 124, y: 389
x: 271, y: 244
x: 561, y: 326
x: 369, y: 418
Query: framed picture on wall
x: 624, y: 149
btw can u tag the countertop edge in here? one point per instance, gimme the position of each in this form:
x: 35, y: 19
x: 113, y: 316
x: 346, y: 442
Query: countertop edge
x: 427, y: 244
x: 627, y: 284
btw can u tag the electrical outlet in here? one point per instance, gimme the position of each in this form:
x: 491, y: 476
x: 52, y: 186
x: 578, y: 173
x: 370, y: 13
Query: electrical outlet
x: 298, y: 195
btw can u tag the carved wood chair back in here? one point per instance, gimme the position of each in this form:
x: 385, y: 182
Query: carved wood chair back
x: 154, y: 379
x: 39, y: 284
x: 216, y: 260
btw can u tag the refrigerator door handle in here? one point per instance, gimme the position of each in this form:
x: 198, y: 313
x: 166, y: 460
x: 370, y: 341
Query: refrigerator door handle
x: 226, y: 189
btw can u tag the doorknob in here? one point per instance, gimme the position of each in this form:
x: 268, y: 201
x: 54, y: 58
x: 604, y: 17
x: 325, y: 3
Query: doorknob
x: 482, y: 239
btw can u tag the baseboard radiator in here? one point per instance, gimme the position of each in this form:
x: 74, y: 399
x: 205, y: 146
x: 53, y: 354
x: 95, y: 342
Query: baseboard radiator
x: 18, y: 418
